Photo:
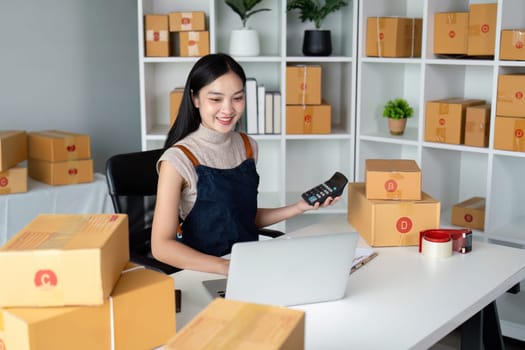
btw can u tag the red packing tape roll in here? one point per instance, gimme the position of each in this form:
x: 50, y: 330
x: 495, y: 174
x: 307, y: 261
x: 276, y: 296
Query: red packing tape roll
x: 461, y: 238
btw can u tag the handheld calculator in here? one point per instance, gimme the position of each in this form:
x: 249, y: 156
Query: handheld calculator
x: 333, y: 187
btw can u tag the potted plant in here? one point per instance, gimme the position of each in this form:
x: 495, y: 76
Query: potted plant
x: 316, y: 42
x: 397, y: 111
x: 245, y: 41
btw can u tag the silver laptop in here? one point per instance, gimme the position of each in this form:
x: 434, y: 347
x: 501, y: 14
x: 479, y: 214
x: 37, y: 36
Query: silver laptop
x: 288, y: 271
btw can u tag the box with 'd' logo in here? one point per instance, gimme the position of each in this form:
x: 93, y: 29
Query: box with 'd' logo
x: 398, y: 179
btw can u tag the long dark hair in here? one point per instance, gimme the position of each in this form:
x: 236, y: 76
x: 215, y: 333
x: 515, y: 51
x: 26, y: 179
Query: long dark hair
x: 205, y: 71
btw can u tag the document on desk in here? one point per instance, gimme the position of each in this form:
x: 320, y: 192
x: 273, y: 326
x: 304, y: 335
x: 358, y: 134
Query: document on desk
x: 362, y: 256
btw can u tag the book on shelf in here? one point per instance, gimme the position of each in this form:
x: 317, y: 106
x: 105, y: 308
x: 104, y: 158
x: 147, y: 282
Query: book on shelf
x: 251, y: 106
x: 276, y: 112
x: 268, y: 113
x: 261, y: 104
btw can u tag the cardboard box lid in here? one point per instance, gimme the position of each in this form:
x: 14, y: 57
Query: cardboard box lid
x: 360, y: 187
x: 472, y: 203
x: 392, y: 165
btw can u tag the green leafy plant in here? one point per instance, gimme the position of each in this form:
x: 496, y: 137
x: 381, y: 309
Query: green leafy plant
x: 314, y: 10
x: 244, y: 8
x: 397, y: 109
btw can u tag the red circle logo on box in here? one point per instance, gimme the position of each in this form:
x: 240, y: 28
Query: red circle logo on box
x: 307, y: 119
x: 404, y: 224
x: 72, y: 171
x: 442, y: 121
x: 185, y: 20
x: 390, y: 185
x: 468, y: 218
x: 518, y: 133
x: 3, y: 183
x: 519, y: 44
x: 451, y: 34
x: 485, y: 28
x: 519, y: 95
x: 156, y: 36
x: 45, y: 278
x: 71, y: 148
x: 192, y: 42
x: 381, y: 36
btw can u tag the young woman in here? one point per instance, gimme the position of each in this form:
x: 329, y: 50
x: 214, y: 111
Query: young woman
x: 207, y: 174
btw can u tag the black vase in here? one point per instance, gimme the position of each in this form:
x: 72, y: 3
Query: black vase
x: 317, y: 43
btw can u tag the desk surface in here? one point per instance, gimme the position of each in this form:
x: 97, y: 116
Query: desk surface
x: 18, y: 209
x: 400, y: 300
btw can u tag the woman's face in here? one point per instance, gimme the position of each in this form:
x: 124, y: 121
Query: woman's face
x: 221, y: 103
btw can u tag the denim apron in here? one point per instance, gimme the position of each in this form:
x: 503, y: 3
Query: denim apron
x: 225, y: 208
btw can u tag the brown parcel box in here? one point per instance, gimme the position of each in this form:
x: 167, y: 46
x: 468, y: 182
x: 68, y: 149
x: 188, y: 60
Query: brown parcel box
x: 13, y: 148
x: 393, y: 37
x: 398, y: 179
x: 303, y: 85
x: 482, y: 29
x: 193, y: 43
x: 477, y: 125
x: 512, y: 44
x: 57, y: 146
x: 13, y: 180
x: 175, y: 101
x: 64, y: 259
x: 187, y: 21
x: 309, y: 119
x: 511, y: 95
x: 142, y: 306
x: 445, y: 119
x: 469, y: 213
x: 229, y: 324
x: 156, y: 36
x: 61, y: 173
x: 390, y: 223
x: 509, y: 134
x: 451, y: 33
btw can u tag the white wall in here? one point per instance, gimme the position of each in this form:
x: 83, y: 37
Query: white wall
x: 72, y: 65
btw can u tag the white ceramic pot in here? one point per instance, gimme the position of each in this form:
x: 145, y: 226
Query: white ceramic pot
x: 244, y: 42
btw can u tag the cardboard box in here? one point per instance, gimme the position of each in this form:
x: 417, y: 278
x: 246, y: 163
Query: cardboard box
x: 509, y: 134
x: 309, y: 119
x: 64, y: 259
x: 194, y: 43
x: 469, y: 213
x: 175, y: 101
x: 445, y: 119
x: 13, y: 180
x: 393, y: 37
x: 303, y: 85
x: 477, y: 125
x: 512, y: 44
x: 140, y: 314
x: 451, y: 33
x: 398, y: 179
x: 228, y: 324
x: 61, y: 173
x: 482, y: 29
x: 187, y: 21
x: 385, y: 223
x: 511, y: 95
x: 57, y: 146
x: 156, y: 36
x: 13, y: 148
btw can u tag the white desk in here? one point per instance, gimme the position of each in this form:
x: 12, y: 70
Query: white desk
x: 18, y: 209
x: 400, y: 300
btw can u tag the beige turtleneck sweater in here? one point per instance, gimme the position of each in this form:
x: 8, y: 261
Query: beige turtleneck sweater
x: 211, y: 148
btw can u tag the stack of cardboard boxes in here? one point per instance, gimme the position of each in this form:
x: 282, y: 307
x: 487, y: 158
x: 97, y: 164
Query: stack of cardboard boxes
x: 59, y: 157
x: 389, y: 208
x: 176, y: 34
x: 393, y: 37
x: 509, y: 131
x: 13, y: 151
x: 306, y: 112
x: 67, y: 284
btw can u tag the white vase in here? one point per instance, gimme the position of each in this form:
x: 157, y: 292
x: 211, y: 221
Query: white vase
x: 244, y: 42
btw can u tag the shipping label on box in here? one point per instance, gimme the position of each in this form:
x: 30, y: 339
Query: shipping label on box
x: 509, y: 134
x: 512, y: 44
x: 13, y: 180
x: 139, y: 314
x: 61, y: 173
x: 445, y: 119
x: 398, y: 179
x: 156, y: 36
x: 303, y: 85
x: 229, y: 324
x: 482, y: 29
x: 187, y: 21
x: 511, y: 95
x: 308, y: 119
x: 57, y: 146
x: 64, y: 259
x: 384, y: 223
x: 13, y: 148
x: 477, y: 125
x: 451, y: 33
x: 175, y: 101
x: 194, y: 43
x: 469, y: 213
x: 393, y: 37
